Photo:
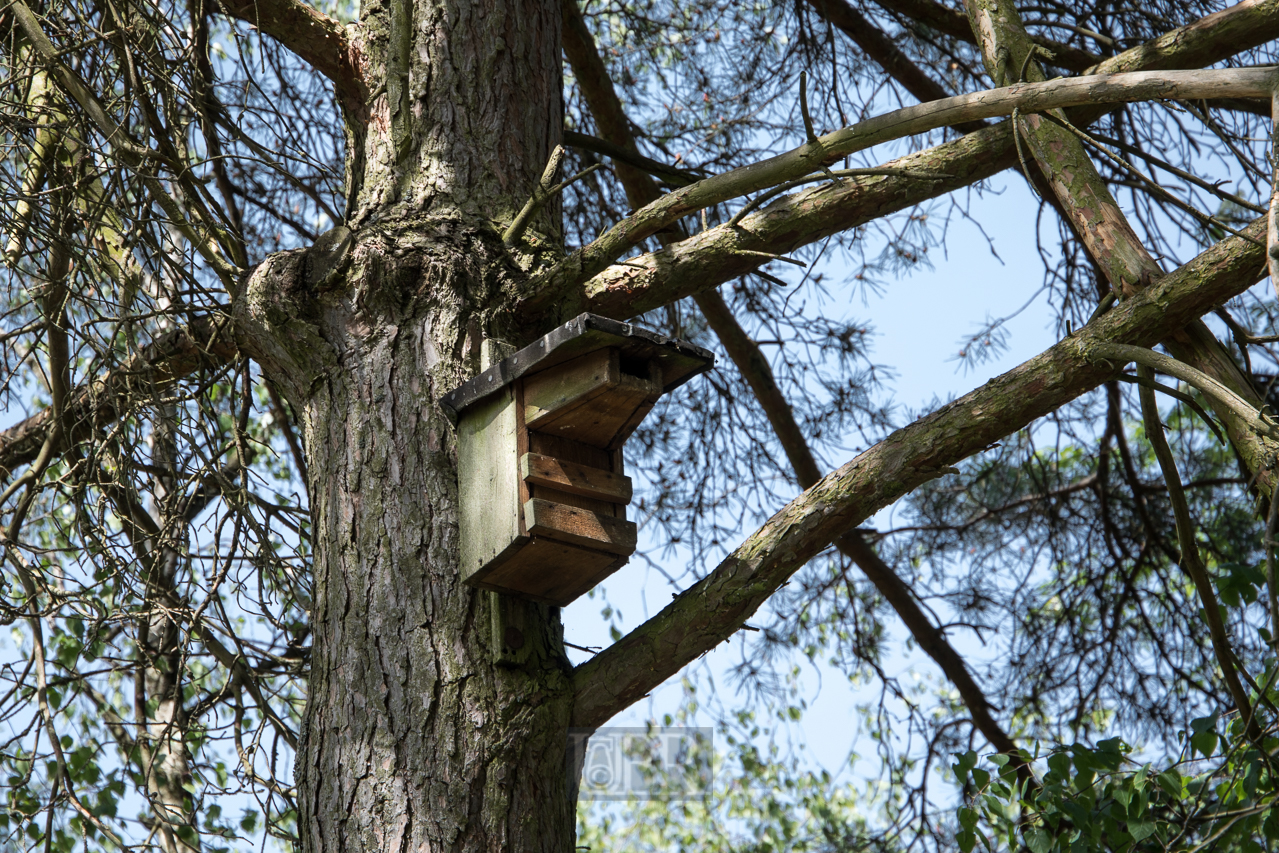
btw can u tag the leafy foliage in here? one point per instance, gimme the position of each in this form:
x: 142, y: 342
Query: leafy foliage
x: 1221, y: 793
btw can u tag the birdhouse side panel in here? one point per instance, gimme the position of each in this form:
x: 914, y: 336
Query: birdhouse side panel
x: 488, y: 485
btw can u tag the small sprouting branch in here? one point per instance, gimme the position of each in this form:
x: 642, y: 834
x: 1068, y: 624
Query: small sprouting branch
x: 669, y: 175
x: 542, y: 193
x: 809, y: 133
x: 771, y: 257
x: 1209, y: 387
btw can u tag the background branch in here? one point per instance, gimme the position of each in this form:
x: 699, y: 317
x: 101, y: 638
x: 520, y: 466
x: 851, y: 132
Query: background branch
x: 715, y: 607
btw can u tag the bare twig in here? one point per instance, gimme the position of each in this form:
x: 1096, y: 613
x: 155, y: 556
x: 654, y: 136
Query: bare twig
x: 1191, y: 562
x: 543, y: 193
x: 127, y: 149
x: 809, y: 133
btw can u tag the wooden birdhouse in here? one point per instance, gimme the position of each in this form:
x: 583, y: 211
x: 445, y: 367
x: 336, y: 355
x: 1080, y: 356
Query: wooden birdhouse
x: 541, y: 482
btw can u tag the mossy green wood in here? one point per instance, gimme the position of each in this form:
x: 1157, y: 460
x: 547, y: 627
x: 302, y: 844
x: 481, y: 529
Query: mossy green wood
x: 488, y: 484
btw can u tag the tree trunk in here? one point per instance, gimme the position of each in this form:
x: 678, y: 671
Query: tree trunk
x: 414, y: 738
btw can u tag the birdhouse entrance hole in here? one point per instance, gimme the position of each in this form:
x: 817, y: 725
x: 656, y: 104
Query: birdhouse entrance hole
x: 541, y: 479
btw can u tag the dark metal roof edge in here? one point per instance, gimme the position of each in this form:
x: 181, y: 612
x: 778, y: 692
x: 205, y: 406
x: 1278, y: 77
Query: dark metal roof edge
x: 509, y: 369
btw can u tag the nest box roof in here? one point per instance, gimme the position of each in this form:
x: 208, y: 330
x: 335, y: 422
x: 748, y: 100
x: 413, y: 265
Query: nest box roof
x: 679, y: 360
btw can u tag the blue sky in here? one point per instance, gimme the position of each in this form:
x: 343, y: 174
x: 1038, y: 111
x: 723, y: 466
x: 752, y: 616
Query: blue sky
x: 919, y: 322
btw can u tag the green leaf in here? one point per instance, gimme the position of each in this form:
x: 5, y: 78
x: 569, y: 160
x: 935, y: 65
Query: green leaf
x: 1205, y: 743
x: 1113, y: 744
x: 1140, y: 830
x: 1038, y: 840
x: 965, y: 762
x: 1059, y: 766
x: 1122, y: 795
x: 1204, y: 724
x: 1170, y: 782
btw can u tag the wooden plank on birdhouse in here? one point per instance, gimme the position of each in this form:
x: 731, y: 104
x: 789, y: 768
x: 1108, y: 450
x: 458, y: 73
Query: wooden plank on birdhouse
x: 488, y: 484
x: 571, y: 451
x: 677, y: 361
x: 580, y: 527
x: 605, y: 419
x: 568, y: 385
x: 551, y: 572
x: 624, y: 431
x: 574, y: 478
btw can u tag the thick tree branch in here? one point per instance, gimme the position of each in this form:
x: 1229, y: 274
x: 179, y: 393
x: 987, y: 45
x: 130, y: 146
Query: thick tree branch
x: 963, y: 161
x: 933, y: 15
x: 319, y: 40
x: 1200, y: 43
x: 1106, y: 233
x: 591, y: 260
x: 713, y: 608
x: 716, y: 255
x: 606, y: 107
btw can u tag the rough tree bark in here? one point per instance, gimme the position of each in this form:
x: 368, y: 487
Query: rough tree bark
x: 413, y: 738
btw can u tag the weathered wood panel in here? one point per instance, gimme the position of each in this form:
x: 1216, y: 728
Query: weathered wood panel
x: 565, y: 386
x: 577, y: 479
x: 551, y: 572
x: 607, y: 418
x: 580, y: 527
x: 488, y: 484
